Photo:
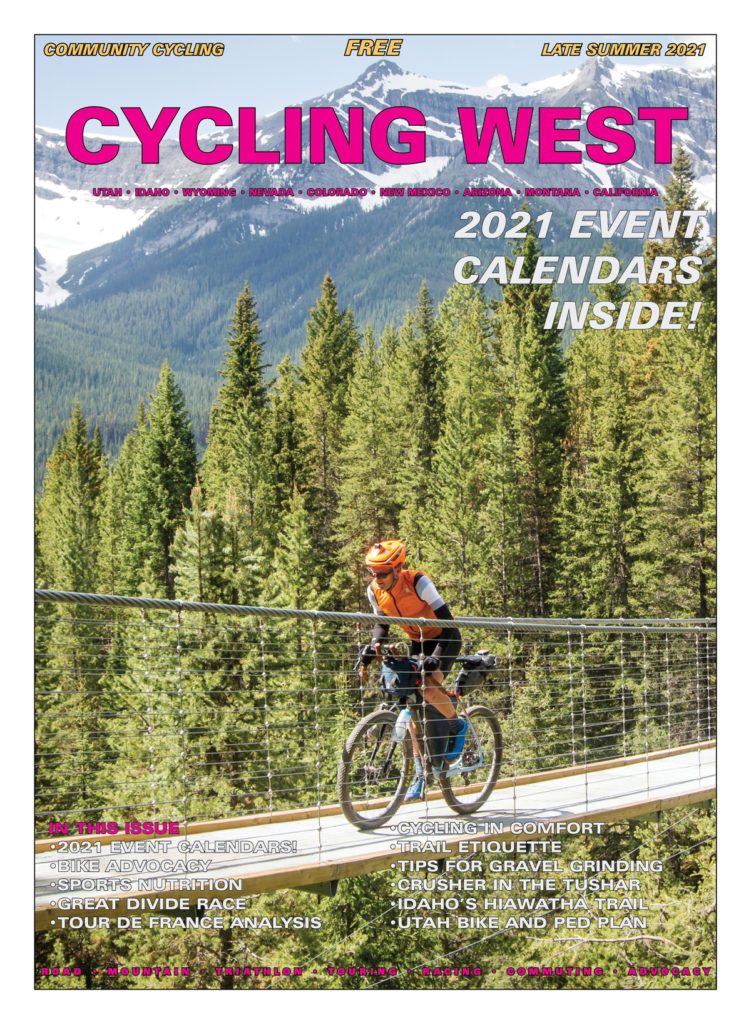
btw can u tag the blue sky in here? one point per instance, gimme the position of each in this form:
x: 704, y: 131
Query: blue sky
x: 271, y: 71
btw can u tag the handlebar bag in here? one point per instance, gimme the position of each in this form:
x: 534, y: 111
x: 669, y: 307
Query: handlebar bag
x: 399, y: 676
x: 475, y: 667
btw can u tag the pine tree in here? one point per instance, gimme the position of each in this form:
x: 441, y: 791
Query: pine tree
x: 164, y: 472
x: 454, y: 539
x: 326, y: 370
x: 234, y: 450
x: 500, y: 520
x: 287, y: 453
x: 68, y: 508
x: 598, y: 521
x: 71, y: 640
x: 297, y: 660
x: 113, y: 562
x: 679, y: 195
x: 416, y: 409
x: 530, y: 431
x: 215, y: 560
x: 368, y: 508
x: 198, y: 551
x: 293, y: 583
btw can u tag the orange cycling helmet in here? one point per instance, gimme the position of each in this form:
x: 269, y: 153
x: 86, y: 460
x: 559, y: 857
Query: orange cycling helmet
x: 387, y: 554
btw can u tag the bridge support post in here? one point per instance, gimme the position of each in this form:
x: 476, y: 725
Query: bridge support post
x: 321, y: 888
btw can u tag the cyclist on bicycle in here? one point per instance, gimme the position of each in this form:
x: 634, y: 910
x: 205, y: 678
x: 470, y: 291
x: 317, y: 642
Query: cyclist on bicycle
x: 398, y: 591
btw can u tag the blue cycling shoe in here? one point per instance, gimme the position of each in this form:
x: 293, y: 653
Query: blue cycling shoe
x: 457, y: 741
x: 418, y: 783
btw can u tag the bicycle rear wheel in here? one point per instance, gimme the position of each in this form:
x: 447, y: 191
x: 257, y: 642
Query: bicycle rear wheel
x: 373, y: 772
x: 467, y: 791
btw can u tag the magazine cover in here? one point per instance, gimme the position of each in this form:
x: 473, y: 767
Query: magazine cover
x: 375, y: 512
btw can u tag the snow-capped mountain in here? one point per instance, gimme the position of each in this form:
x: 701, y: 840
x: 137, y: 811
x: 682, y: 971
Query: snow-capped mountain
x: 71, y: 220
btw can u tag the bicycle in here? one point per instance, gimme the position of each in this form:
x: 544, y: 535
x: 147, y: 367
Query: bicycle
x: 377, y: 766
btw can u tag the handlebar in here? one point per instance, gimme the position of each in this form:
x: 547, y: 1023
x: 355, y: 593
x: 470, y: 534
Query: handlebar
x: 362, y: 666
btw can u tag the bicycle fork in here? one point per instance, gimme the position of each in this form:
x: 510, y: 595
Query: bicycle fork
x: 369, y: 767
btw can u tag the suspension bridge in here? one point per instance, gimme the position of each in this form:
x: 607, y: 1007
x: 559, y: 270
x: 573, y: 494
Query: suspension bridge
x: 224, y: 726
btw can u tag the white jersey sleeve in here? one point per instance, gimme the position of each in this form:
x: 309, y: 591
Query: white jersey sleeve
x: 426, y: 591
x: 377, y: 610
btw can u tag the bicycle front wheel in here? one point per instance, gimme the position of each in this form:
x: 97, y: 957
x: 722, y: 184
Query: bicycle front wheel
x: 467, y: 791
x: 373, y: 772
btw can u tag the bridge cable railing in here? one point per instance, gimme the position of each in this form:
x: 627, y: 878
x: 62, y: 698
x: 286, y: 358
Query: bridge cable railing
x: 149, y: 709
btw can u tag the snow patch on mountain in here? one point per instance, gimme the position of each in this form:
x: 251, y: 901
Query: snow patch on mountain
x: 618, y: 73
x: 69, y: 222
x: 407, y: 81
x: 706, y: 189
x: 562, y: 81
x: 407, y: 174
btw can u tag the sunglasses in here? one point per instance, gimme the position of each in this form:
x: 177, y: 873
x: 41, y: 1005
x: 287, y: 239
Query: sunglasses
x: 380, y: 575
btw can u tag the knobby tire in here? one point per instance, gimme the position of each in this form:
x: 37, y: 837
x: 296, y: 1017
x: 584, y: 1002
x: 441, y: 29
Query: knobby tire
x: 367, y: 775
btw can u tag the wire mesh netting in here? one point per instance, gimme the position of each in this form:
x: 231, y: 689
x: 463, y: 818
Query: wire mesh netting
x: 163, y: 710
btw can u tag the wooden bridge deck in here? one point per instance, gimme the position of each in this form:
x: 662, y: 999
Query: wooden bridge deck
x: 323, y: 847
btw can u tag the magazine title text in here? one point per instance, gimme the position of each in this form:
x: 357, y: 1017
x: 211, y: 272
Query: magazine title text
x: 321, y: 131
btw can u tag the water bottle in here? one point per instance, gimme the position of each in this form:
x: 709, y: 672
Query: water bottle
x: 401, y: 725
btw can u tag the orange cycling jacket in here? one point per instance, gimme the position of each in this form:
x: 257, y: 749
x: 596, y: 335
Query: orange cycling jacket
x: 403, y: 601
